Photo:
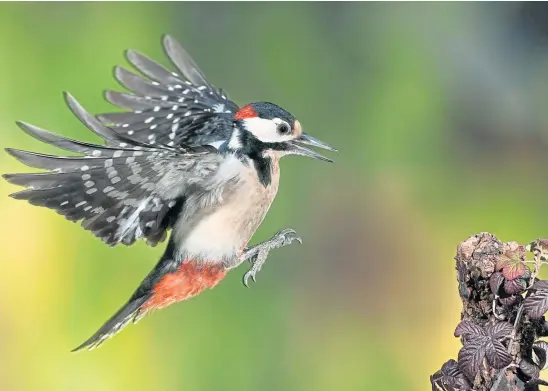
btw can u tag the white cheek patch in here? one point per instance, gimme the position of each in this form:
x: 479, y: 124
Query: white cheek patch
x: 265, y: 130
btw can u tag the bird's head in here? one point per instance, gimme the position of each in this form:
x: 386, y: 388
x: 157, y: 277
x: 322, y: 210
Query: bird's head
x: 266, y: 128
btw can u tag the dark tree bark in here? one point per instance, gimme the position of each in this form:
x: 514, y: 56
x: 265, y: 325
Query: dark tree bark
x: 502, y: 317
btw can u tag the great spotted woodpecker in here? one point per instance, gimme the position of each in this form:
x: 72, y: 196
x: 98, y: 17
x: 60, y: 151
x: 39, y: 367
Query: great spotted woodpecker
x: 184, y: 159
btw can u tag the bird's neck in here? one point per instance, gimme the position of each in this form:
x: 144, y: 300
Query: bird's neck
x: 263, y: 166
x: 252, y: 151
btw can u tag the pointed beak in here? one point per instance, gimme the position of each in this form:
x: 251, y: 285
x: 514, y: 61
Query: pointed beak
x: 297, y: 149
x: 309, y: 140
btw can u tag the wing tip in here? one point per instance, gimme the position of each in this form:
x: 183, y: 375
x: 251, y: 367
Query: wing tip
x: 107, y: 94
x: 170, y: 43
x: 21, y: 124
x: 132, y: 55
x: 20, y: 195
x: 16, y: 153
x: 68, y: 97
x: 72, y: 103
x: 167, y: 38
x: 31, y: 130
x: 10, y: 178
x: 120, y: 74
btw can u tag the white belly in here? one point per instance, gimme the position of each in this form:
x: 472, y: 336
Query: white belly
x: 219, y: 234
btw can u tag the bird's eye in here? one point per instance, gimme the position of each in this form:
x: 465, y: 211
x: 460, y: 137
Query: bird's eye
x: 283, y: 129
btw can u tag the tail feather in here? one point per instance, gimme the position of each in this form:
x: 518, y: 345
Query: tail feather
x: 169, y: 282
x: 115, y: 324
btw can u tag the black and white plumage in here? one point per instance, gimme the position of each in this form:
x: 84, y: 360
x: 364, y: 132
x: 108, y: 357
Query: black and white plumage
x: 184, y: 158
x: 112, y: 188
x: 170, y: 108
x: 121, y: 192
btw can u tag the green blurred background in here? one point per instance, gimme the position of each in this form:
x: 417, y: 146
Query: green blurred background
x: 439, y: 112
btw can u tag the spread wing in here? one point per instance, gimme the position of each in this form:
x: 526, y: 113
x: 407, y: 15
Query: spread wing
x: 121, y: 192
x: 169, y: 108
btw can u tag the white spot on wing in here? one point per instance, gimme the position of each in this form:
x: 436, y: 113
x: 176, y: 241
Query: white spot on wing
x: 121, y: 232
x: 219, y: 108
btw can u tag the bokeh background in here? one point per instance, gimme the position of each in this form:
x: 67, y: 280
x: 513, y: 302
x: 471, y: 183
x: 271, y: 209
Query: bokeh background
x: 440, y: 114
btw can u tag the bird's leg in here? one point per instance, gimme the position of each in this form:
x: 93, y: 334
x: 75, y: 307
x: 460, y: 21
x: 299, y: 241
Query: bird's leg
x: 258, y: 253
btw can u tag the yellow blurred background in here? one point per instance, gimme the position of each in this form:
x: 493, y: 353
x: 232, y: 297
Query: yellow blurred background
x: 439, y: 111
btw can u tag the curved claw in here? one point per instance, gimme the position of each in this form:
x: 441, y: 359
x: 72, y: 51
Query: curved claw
x: 288, y: 235
x: 298, y: 239
x: 281, y: 239
x: 248, y: 274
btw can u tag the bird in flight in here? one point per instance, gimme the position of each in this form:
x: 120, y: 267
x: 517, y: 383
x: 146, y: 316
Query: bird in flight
x: 183, y: 159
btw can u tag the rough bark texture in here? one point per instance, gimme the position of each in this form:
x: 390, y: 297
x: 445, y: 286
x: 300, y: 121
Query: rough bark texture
x: 479, y: 274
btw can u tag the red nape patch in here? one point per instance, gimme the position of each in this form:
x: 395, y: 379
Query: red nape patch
x: 189, y: 280
x: 246, y: 112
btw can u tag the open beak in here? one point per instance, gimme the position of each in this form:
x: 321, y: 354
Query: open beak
x: 298, y: 149
x: 309, y: 140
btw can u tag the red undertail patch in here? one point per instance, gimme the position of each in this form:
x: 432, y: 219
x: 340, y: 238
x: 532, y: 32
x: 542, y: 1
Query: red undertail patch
x: 245, y: 112
x: 189, y: 280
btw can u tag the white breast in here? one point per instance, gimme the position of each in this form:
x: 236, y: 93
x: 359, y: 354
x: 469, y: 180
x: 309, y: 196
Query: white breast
x: 218, y: 232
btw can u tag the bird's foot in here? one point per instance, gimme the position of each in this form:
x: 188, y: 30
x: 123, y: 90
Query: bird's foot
x: 258, y: 254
